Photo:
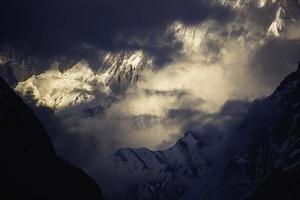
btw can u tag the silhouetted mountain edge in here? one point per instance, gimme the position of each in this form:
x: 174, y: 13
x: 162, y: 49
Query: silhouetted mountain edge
x: 30, y: 168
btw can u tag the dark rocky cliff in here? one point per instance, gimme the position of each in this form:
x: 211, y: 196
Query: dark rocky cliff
x: 283, y: 180
x: 30, y: 168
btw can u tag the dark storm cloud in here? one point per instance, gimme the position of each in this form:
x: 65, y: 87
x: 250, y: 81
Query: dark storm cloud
x: 219, y: 125
x: 230, y: 114
x: 55, y: 27
x: 274, y: 60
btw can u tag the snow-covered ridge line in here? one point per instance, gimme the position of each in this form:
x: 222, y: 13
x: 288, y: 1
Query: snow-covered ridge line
x: 77, y: 85
x: 179, y: 157
x: 236, y: 4
x: 156, y: 171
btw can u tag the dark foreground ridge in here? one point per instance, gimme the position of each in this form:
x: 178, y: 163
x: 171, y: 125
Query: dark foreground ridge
x: 283, y: 182
x: 30, y: 168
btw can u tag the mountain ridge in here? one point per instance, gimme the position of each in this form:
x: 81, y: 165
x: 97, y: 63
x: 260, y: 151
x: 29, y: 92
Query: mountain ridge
x: 267, y: 141
x: 30, y: 168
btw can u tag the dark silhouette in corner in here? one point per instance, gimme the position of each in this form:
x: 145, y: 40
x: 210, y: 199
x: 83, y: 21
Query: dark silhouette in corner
x: 30, y: 168
x: 284, y: 183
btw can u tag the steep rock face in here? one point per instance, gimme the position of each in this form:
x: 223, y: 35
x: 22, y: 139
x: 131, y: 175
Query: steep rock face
x: 261, y: 158
x: 279, y: 185
x: 274, y: 162
x: 30, y: 168
x: 264, y: 150
x: 123, y: 69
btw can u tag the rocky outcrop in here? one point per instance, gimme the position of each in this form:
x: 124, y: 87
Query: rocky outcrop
x: 282, y: 176
x: 264, y: 159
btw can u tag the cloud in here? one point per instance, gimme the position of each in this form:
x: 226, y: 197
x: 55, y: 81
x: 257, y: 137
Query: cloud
x: 228, y: 63
x: 294, y: 32
x: 194, y: 89
x: 55, y: 27
x: 272, y: 61
x: 84, y: 141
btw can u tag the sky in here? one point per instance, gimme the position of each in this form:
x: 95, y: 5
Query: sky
x: 222, y: 59
x: 68, y: 27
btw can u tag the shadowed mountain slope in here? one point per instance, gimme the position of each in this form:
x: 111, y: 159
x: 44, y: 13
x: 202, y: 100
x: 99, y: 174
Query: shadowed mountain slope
x: 30, y: 168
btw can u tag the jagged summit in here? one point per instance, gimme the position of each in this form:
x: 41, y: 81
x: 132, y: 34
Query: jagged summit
x: 123, y: 69
x: 160, y: 169
x: 80, y: 85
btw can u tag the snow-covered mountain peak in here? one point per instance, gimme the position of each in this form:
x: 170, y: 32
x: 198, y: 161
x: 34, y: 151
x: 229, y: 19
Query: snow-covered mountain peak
x: 278, y: 24
x: 79, y: 84
x: 280, y: 17
x: 190, y: 36
x: 238, y: 4
x: 136, y: 161
x: 160, y: 169
x: 59, y: 90
x: 123, y: 67
x: 233, y: 3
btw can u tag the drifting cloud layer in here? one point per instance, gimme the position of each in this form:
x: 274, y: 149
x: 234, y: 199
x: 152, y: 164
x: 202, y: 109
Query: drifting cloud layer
x: 207, y: 66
